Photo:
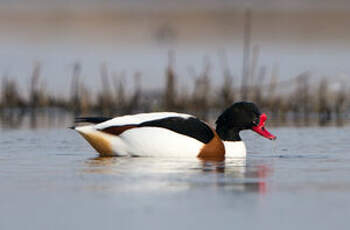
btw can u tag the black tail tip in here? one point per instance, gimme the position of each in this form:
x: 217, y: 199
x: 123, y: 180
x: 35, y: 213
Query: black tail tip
x: 93, y: 120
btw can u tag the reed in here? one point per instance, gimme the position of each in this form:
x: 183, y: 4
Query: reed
x: 170, y: 93
x: 302, y: 101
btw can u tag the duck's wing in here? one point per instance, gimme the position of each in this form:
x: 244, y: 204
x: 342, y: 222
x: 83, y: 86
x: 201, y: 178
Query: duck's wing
x: 184, y: 124
x: 191, y: 127
x: 137, y: 119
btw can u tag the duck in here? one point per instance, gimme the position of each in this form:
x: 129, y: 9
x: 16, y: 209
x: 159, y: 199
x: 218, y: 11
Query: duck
x: 174, y: 134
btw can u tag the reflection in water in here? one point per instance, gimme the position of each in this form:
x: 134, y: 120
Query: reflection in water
x: 237, y: 176
x: 103, y: 165
x: 156, y: 174
x: 35, y: 118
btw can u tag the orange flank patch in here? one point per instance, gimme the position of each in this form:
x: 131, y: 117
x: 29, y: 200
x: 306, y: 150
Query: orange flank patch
x: 117, y: 130
x: 215, y: 149
x: 100, y: 143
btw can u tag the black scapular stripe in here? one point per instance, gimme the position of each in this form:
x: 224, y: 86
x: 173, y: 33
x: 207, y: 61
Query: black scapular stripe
x: 191, y: 127
x: 94, y: 120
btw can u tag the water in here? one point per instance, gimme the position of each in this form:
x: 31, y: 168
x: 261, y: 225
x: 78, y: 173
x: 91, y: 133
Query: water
x: 51, y: 179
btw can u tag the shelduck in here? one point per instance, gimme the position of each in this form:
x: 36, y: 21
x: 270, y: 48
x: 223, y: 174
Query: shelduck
x: 174, y: 134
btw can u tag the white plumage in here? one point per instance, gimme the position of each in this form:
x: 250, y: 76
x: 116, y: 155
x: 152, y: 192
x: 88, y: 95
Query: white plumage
x: 153, y: 141
x: 235, y: 149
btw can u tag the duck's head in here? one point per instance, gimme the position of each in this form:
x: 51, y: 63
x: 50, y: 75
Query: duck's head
x: 241, y: 116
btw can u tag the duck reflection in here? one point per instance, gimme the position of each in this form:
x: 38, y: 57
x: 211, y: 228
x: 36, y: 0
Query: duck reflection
x: 224, y: 175
x: 235, y: 175
x: 101, y: 165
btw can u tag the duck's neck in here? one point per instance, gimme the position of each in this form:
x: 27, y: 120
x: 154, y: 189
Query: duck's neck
x: 226, y: 134
x: 235, y: 149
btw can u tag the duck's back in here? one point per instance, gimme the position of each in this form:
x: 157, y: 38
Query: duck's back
x: 139, y: 118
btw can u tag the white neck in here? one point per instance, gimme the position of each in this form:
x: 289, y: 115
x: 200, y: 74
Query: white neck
x: 235, y: 149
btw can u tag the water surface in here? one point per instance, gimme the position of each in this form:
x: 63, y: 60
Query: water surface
x: 52, y: 179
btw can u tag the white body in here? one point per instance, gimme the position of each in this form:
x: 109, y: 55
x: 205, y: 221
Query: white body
x: 149, y: 141
x: 235, y: 149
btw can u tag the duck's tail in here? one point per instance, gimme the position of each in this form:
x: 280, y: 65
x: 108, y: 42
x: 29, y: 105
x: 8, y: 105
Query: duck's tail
x: 98, y: 140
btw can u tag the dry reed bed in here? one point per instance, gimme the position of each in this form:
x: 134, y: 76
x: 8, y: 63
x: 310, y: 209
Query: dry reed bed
x: 297, y: 102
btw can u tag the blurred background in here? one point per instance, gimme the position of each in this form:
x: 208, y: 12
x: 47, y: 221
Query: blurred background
x: 65, y: 58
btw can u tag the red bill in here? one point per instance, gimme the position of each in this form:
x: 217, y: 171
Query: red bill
x: 261, y: 130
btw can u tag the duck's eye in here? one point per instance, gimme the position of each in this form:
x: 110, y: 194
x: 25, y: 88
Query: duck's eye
x: 256, y: 121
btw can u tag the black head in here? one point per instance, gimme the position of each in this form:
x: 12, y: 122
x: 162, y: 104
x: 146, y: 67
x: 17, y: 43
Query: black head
x: 241, y: 116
